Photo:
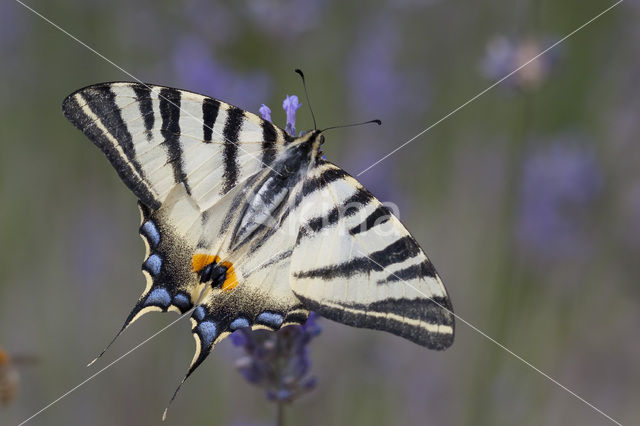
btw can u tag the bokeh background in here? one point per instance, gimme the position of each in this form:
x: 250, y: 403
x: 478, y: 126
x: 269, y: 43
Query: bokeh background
x: 527, y: 201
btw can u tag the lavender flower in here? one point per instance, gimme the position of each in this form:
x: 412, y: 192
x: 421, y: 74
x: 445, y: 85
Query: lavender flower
x: 291, y: 104
x: 265, y: 112
x: 278, y: 361
x: 285, y: 19
x: 504, y: 56
x: 560, y: 185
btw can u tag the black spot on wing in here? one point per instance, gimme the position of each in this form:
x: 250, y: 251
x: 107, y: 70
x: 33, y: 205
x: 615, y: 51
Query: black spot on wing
x: 210, y: 109
x: 296, y: 317
x: 170, y: 130
x: 230, y: 153
x: 396, y: 252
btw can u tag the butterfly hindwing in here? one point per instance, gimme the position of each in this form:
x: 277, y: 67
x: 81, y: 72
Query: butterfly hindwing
x: 355, y: 263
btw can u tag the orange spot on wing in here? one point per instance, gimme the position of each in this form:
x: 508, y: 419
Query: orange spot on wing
x: 231, y: 280
x: 199, y: 261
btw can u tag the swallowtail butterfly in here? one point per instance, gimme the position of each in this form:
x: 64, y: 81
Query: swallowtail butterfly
x: 251, y: 226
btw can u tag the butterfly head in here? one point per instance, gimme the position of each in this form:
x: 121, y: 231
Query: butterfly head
x: 311, y: 139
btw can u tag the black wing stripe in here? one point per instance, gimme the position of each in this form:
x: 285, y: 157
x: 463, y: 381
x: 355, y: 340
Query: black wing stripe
x: 377, y: 217
x: 269, y: 137
x: 349, y: 208
x: 210, y: 108
x: 143, y: 95
x: 102, y: 102
x: 396, y: 252
x: 422, y: 270
x: 231, y: 132
x: 74, y: 112
x: 325, y: 177
x: 432, y: 311
x: 170, y: 130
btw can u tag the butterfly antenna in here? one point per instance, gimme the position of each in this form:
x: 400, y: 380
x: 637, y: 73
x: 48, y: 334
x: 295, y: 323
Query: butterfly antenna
x: 306, y: 94
x: 378, y: 122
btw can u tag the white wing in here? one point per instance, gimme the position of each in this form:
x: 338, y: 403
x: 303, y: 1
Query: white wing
x: 355, y: 263
x: 156, y: 137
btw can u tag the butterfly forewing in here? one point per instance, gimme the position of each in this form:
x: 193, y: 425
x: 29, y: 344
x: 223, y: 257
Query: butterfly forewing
x: 156, y: 137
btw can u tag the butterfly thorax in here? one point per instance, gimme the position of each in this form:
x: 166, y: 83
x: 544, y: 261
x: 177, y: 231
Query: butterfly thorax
x: 264, y: 202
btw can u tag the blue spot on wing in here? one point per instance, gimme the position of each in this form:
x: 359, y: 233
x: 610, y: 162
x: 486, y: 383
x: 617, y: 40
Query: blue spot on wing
x: 153, y: 264
x: 150, y: 231
x: 207, y: 332
x: 270, y: 318
x: 158, y: 297
x: 198, y: 314
x: 238, y: 323
x: 182, y: 301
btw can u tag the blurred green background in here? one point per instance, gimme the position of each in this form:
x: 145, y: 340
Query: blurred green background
x: 527, y: 201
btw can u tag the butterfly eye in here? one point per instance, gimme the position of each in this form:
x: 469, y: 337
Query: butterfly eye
x: 321, y: 139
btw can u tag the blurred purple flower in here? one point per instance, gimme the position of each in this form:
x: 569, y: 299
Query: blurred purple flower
x: 377, y: 84
x: 278, y: 361
x: 196, y: 70
x: 285, y: 19
x: 212, y: 21
x: 380, y: 88
x: 16, y: 60
x: 265, y: 112
x: 560, y: 186
x: 291, y: 104
x: 503, y: 56
x: 11, y: 24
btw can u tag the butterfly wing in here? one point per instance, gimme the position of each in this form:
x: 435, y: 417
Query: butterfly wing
x: 355, y: 263
x: 180, y: 153
x: 156, y: 137
x: 255, y: 292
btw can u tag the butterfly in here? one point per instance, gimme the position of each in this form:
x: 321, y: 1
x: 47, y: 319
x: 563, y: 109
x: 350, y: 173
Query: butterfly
x: 249, y: 226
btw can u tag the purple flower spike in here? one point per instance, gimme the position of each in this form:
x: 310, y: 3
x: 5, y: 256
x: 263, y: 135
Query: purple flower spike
x: 291, y: 105
x: 278, y: 362
x: 265, y: 112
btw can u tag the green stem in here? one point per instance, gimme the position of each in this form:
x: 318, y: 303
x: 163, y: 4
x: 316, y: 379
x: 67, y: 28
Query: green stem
x: 280, y: 415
